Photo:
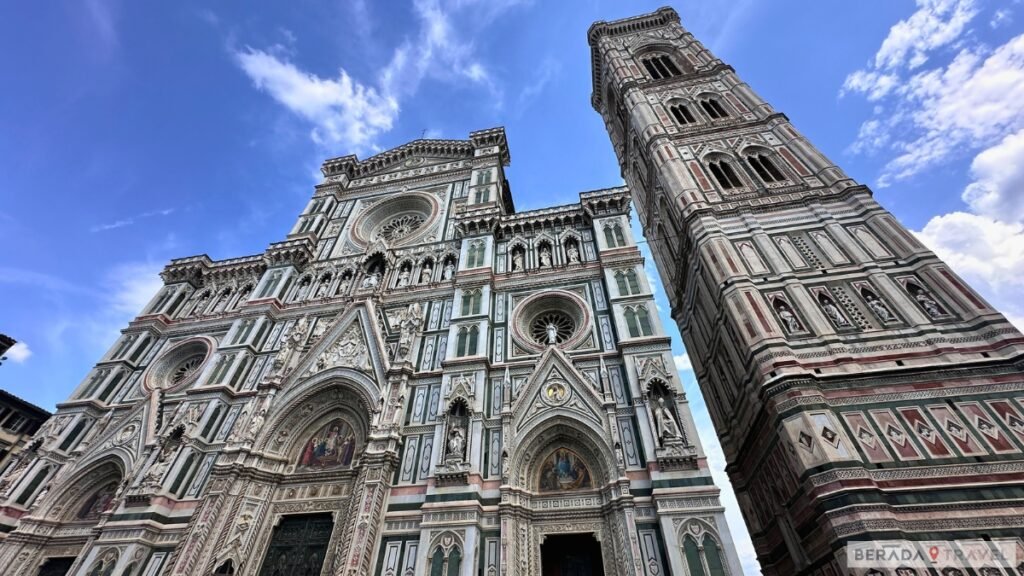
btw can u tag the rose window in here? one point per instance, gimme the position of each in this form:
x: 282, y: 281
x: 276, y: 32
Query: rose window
x: 552, y: 327
x: 400, y: 226
x: 187, y: 368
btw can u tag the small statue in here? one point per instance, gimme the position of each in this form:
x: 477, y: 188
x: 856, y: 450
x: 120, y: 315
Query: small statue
x: 343, y: 286
x: 427, y: 275
x: 456, y: 442
x: 282, y: 362
x: 573, y: 253
x: 552, y: 334
x: 789, y: 319
x: 449, y: 270
x: 371, y: 280
x: 256, y: 423
x: 879, y: 309
x: 403, y: 278
x: 321, y: 290
x: 665, y: 421
x: 930, y: 306
x: 833, y: 312
x: 517, y: 261
x: 545, y: 257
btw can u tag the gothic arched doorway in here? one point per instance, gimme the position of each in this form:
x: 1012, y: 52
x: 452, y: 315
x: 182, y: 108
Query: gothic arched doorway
x: 571, y: 555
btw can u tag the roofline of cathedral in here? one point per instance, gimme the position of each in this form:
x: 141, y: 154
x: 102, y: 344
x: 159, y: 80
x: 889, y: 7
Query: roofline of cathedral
x: 353, y: 167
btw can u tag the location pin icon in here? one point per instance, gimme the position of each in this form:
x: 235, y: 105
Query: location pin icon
x: 933, y: 552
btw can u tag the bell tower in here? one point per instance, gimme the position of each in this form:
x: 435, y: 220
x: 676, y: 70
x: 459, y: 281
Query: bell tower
x: 860, y: 388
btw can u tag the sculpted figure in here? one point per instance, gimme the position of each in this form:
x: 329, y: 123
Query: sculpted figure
x: 456, y: 442
x: 552, y: 334
x: 403, y: 278
x: 427, y: 275
x: 789, y: 319
x: 545, y: 257
x: 665, y: 421
x: 930, y: 306
x: 256, y: 424
x: 573, y: 253
x: 517, y: 261
x: 288, y: 353
x: 879, y: 309
x: 833, y: 312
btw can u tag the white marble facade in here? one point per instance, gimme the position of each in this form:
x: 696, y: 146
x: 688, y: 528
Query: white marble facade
x: 417, y: 380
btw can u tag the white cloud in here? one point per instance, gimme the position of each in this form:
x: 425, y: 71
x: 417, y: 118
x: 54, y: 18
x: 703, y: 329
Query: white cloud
x: 998, y: 187
x: 349, y: 113
x: 19, y: 352
x: 979, y: 247
x: 682, y: 362
x: 1001, y: 18
x: 342, y: 110
x: 130, y: 220
x: 130, y: 288
x: 942, y: 112
x: 936, y: 23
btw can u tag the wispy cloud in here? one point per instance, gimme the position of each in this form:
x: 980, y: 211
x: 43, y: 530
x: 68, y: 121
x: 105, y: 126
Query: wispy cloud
x: 19, y: 353
x: 928, y: 114
x: 130, y: 220
x: 103, y: 19
x: 682, y: 362
x: 351, y: 113
x: 549, y: 68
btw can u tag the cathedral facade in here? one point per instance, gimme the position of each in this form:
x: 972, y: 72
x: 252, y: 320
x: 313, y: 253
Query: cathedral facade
x: 861, y: 390
x: 417, y: 380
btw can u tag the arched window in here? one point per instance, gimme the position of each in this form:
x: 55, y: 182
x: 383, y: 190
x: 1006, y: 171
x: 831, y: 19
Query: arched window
x: 713, y: 556
x: 475, y: 254
x: 227, y: 567
x: 471, y: 302
x: 692, y: 556
x: 613, y: 236
x: 660, y: 66
x: 644, y: 319
x: 627, y: 283
x: 466, y: 341
x: 180, y: 485
x: 765, y: 168
x: 32, y: 486
x: 682, y: 114
x: 713, y: 108
x: 724, y: 174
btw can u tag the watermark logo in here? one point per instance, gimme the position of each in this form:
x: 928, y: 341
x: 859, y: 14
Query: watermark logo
x: 903, y: 557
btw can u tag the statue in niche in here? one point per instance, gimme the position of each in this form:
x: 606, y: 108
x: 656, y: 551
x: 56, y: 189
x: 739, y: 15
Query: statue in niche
x: 665, y: 421
x: 156, y: 471
x: 409, y: 325
x: 321, y: 290
x: 573, y: 253
x: 200, y: 303
x: 879, y: 308
x: 428, y: 274
x: 930, y: 305
x: 545, y: 257
x: 343, y: 286
x: 222, y: 302
x: 832, y: 311
x: 96, y: 430
x: 517, y: 260
x: 789, y: 319
x: 243, y: 296
x: 237, y: 431
x: 403, y: 278
x: 396, y: 418
x: 256, y: 424
x: 303, y: 291
x: 457, y: 443
x: 371, y: 280
x: 288, y: 354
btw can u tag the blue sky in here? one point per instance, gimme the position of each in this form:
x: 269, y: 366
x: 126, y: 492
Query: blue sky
x: 137, y: 132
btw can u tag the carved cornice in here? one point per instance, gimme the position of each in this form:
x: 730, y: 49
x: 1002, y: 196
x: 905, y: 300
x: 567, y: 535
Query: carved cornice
x: 196, y: 270
x: 295, y: 252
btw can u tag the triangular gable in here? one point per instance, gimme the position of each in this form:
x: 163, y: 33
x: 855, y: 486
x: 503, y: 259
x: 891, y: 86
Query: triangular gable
x: 351, y: 341
x: 556, y: 387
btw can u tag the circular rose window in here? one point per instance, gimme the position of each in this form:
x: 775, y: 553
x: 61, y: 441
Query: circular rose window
x: 552, y: 328
x: 396, y: 220
x: 180, y: 365
x: 550, y: 318
x: 400, y: 226
x: 187, y: 368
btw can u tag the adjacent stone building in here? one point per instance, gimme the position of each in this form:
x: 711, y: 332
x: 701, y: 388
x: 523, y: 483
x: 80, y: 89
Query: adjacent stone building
x: 418, y: 380
x: 860, y: 388
x: 19, y: 421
